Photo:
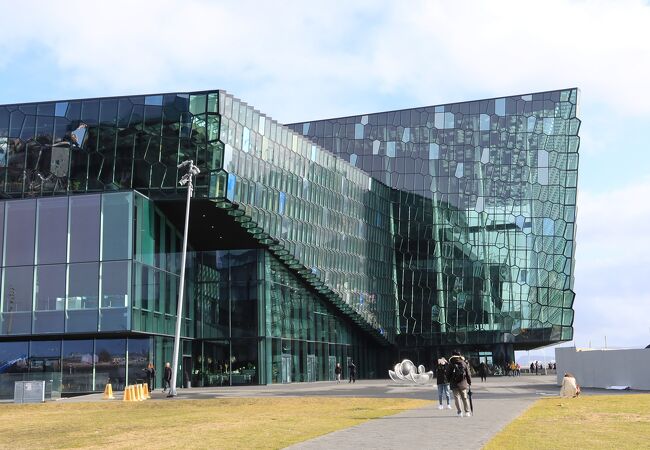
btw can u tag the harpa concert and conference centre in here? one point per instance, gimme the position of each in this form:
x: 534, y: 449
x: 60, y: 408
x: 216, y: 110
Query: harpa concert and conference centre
x: 369, y: 238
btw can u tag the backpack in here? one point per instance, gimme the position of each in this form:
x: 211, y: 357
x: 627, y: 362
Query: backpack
x: 457, y: 373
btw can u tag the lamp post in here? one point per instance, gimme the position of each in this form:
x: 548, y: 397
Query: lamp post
x: 192, y: 170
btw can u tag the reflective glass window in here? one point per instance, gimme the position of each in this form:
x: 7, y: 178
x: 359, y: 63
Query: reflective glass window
x: 50, y: 287
x: 50, y: 299
x: 45, y: 357
x: 83, y: 285
x: 77, y: 358
x: 116, y: 226
x: 84, y: 228
x: 14, y: 363
x: 110, y: 363
x: 116, y: 283
x: 20, y: 229
x: 18, y: 286
x: 52, y: 230
x: 140, y: 354
x: 244, y: 362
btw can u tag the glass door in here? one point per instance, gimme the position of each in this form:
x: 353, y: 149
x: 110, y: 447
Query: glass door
x: 332, y: 366
x: 286, y: 368
x: 311, y: 368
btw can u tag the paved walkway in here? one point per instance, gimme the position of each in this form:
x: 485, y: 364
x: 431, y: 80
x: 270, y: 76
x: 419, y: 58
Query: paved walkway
x: 496, y: 402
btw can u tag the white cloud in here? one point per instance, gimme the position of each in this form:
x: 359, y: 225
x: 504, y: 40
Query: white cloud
x: 612, y: 260
x: 300, y: 60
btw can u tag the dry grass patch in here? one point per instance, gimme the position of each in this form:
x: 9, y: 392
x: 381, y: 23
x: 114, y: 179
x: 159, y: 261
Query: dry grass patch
x: 593, y: 422
x: 219, y: 423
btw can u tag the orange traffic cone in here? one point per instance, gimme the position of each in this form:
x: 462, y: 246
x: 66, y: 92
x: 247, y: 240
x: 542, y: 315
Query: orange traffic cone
x: 108, y: 392
x: 147, y: 394
x: 140, y: 395
x: 127, y: 394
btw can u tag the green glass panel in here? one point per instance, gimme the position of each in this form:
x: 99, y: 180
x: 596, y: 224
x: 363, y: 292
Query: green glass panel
x: 197, y: 104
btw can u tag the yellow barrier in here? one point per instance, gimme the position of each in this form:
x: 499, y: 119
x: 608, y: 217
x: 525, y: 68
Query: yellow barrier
x: 108, y: 392
x: 147, y: 394
x: 128, y: 392
x: 136, y: 393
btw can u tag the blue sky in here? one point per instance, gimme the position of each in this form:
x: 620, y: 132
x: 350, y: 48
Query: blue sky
x: 300, y: 61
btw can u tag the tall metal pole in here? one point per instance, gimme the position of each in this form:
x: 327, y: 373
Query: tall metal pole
x: 192, y: 170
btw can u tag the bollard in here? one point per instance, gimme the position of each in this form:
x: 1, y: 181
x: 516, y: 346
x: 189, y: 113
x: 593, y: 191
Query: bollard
x: 108, y: 392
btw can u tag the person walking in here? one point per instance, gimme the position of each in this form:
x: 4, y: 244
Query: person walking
x: 483, y: 370
x: 352, y: 369
x: 338, y: 370
x: 460, y: 380
x: 151, y: 376
x: 167, y: 378
x: 443, y: 383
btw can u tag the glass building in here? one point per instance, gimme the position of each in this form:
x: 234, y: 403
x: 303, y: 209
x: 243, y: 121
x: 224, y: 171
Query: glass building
x: 366, y: 238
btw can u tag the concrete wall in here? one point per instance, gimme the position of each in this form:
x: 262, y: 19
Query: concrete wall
x: 603, y: 368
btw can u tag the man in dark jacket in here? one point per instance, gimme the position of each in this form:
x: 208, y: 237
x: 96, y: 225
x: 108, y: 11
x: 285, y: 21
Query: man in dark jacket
x: 167, y: 377
x: 460, y: 381
x: 352, y: 369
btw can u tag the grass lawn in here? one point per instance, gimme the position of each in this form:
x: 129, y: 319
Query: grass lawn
x: 241, y: 423
x: 593, y: 422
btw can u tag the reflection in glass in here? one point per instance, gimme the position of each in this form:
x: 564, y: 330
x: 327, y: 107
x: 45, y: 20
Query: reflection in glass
x: 117, y: 225
x: 82, y: 300
x: 78, y: 358
x: 110, y: 363
x: 116, y: 282
x: 139, y: 356
x: 20, y: 225
x: 52, y: 230
x: 83, y: 285
x: 84, y: 228
x: 244, y: 362
x: 50, y: 298
x: 45, y: 357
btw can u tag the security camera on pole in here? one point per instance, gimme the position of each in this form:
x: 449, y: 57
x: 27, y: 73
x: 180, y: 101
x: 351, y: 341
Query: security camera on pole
x: 192, y: 170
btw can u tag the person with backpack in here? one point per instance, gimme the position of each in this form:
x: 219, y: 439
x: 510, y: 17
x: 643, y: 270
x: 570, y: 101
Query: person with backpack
x: 460, y: 380
x: 443, y: 383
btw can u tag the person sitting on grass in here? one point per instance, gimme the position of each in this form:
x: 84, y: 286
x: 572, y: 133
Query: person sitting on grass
x: 570, y: 387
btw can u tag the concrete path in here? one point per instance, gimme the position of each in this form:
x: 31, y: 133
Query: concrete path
x: 496, y: 403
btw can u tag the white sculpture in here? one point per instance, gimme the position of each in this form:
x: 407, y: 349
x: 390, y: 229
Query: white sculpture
x: 406, y: 372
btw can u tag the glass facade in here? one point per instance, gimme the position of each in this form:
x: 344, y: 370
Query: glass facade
x: 54, y: 273
x: 398, y: 233
x: 484, y: 200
